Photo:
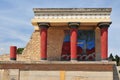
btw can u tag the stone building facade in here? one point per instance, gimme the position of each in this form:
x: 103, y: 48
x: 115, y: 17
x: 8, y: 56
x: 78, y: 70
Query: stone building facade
x: 59, y: 21
x: 67, y: 44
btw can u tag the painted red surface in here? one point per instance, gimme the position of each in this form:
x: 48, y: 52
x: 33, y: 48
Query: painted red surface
x: 91, y: 58
x: 104, y: 43
x: 43, y: 43
x: 13, y: 52
x: 73, y: 43
x: 90, y: 51
x: 66, y: 51
x: 66, y: 48
x: 79, y: 51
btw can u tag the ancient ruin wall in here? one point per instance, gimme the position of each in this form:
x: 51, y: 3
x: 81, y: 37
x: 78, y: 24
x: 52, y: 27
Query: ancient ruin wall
x: 32, y: 49
x: 54, y: 44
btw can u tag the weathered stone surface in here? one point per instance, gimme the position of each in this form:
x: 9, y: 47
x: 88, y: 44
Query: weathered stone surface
x: 5, y: 74
x: 88, y: 75
x: 32, y: 49
x: 58, y: 65
x: 29, y: 70
x: 39, y: 75
x: 54, y: 45
x: 97, y: 44
x: 14, y: 74
x: 55, y: 41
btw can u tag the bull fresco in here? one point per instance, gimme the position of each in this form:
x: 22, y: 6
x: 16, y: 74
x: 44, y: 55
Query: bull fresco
x: 85, y: 46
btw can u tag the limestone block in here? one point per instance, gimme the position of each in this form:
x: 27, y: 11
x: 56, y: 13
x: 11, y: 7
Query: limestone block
x: 39, y: 75
x: 14, y: 74
x: 89, y: 75
x: 5, y: 74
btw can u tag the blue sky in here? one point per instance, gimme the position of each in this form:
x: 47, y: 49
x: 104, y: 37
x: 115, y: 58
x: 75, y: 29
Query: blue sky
x: 16, y: 15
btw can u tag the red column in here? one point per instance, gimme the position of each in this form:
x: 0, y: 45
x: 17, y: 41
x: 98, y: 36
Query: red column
x: 104, y: 43
x: 43, y: 43
x: 73, y: 39
x: 13, y: 52
x: 104, y: 39
x: 73, y: 43
x: 43, y: 33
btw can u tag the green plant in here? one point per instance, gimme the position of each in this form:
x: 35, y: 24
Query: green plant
x: 117, y: 59
x: 20, y: 50
x: 111, y: 57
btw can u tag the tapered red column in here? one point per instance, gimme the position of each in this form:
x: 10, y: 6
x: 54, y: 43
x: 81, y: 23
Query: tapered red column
x: 73, y: 40
x: 104, y: 40
x: 13, y: 52
x: 43, y: 34
x: 73, y: 43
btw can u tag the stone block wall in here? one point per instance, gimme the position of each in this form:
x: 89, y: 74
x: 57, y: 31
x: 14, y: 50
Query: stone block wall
x: 32, y: 49
x: 10, y: 70
x: 14, y: 74
x: 54, y: 44
x: 55, y: 41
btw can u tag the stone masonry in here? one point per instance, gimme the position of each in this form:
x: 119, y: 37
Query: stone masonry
x: 55, y: 37
x: 32, y: 49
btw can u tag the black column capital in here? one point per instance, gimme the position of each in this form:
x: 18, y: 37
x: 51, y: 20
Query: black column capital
x: 74, y: 24
x: 104, y: 24
x: 43, y: 24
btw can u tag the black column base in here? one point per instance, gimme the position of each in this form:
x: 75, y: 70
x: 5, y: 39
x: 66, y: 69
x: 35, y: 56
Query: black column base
x: 43, y: 58
x: 105, y: 59
x: 12, y: 58
x: 74, y: 59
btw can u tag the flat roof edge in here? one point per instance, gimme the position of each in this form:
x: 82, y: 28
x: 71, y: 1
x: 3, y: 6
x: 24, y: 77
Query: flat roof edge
x: 73, y: 9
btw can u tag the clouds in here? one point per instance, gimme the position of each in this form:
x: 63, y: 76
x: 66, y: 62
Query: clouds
x: 16, y: 15
x: 15, y: 25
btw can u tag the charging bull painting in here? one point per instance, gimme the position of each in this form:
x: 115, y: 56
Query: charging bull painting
x: 85, y: 46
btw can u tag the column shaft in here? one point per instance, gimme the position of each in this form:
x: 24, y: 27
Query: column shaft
x: 104, y: 43
x: 43, y: 43
x: 43, y: 34
x: 104, y: 39
x: 13, y: 52
x: 73, y: 41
